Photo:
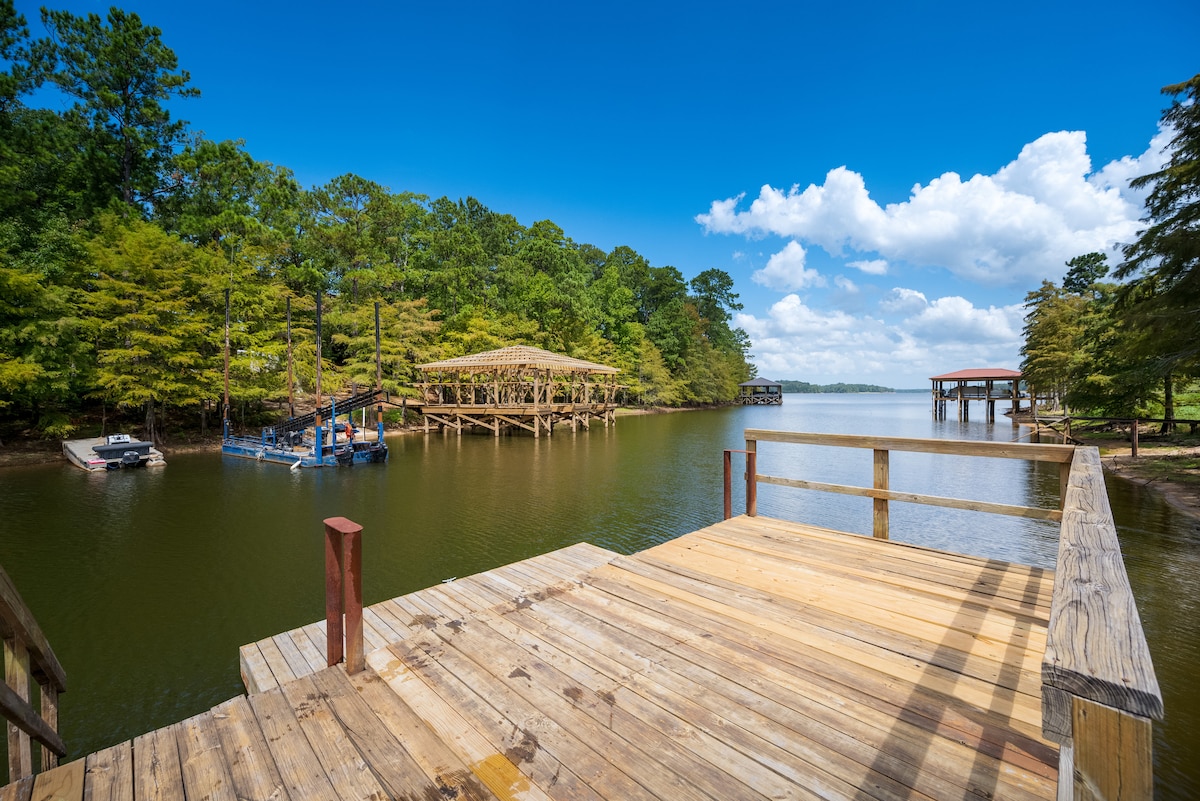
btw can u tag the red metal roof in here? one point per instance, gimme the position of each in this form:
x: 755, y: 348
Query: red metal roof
x: 978, y: 374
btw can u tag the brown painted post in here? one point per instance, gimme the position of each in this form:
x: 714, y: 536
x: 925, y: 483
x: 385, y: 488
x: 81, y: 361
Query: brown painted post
x: 352, y: 559
x: 1133, y: 438
x: 333, y: 594
x: 343, y: 593
x: 751, y: 479
x: 880, y: 517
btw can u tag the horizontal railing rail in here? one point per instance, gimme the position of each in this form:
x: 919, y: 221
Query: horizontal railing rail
x: 880, y: 491
x: 28, y: 659
x: 1099, y: 691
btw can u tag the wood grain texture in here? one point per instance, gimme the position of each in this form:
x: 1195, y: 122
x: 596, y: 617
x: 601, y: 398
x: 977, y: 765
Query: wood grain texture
x: 1095, y: 647
x: 64, y: 783
x: 109, y: 774
x: 1112, y: 754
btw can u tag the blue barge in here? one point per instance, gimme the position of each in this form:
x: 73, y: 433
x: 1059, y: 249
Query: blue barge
x: 291, y: 443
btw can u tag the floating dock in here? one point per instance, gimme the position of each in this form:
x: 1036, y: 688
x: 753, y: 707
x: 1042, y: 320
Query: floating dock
x: 114, y: 452
x: 303, y: 442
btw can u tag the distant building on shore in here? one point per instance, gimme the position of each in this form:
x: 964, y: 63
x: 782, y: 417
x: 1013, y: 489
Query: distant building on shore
x: 987, y: 384
x: 760, y: 392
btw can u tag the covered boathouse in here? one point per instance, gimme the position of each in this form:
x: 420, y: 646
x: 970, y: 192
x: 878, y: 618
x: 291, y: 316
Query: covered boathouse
x: 760, y: 392
x: 517, y: 387
x: 987, y: 384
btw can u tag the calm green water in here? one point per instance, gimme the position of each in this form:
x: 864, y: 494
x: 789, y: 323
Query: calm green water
x: 147, y: 582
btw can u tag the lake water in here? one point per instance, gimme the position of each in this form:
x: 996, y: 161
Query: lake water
x: 147, y: 582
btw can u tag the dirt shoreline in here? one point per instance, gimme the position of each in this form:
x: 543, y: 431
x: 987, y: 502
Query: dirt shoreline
x: 1166, y: 471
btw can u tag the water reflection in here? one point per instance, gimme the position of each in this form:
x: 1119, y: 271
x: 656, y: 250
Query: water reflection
x: 147, y: 582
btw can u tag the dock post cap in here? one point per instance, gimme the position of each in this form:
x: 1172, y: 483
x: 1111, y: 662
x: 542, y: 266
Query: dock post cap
x: 342, y: 525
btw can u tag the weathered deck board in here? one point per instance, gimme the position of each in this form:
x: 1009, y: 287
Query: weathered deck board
x: 753, y: 659
x: 282, y: 658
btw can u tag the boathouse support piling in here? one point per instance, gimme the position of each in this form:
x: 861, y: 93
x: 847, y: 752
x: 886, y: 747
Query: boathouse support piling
x: 343, y: 593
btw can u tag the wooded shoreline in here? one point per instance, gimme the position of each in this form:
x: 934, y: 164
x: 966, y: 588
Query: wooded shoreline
x: 21, y: 452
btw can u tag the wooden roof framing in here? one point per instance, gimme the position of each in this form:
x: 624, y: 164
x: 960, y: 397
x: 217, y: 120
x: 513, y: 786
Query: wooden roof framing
x: 518, y: 357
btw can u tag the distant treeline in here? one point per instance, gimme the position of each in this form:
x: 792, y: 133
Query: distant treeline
x: 818, y: 389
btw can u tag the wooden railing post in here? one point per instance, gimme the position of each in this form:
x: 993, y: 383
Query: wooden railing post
x: 880, y: 517
x: 28, y: 658
x: 728, y: 484
x: 1133, y: 438
x: 343, y: 593
x: 751, y: 478
x: 16, y: 676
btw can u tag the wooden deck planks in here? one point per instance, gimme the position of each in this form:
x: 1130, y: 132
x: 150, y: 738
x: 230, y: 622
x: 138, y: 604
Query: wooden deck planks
x: 300, y: 652
x: 753, y: 659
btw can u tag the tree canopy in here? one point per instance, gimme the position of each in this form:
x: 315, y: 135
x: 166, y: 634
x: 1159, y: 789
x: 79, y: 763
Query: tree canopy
x: 121, y: 230
x: 1117, y: 349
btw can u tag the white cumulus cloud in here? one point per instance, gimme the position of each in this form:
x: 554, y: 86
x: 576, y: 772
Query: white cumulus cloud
x: 904, y: 301
x: 1012, y: 228
x: 871, y: 266
x: 955, y: 318
x: 786, y: 270
x: 794, y: 340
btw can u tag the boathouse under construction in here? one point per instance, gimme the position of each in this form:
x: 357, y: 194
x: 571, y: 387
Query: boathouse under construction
x: 988, y: 384
x: 517, y: 387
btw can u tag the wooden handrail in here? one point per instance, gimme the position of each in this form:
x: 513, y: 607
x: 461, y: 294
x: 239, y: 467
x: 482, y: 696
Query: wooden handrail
x: 953, y: 447
x: 1099, y: 690
x: 880, y: 490
x: 28, y: 658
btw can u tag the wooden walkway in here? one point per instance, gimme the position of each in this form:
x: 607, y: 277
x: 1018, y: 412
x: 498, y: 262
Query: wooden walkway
x: 752, y: 659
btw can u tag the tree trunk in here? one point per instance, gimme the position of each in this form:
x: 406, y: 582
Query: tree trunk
x: 1168, y: 426
x: 149, y: 433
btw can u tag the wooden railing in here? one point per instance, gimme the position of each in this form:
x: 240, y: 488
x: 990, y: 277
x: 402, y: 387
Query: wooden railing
x: 343, y: 594
x: 880, y: 491
x: 1099, y: 691
x: 28, y: 658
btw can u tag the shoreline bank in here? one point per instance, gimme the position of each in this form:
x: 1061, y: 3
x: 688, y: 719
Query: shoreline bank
x: 30, y: 452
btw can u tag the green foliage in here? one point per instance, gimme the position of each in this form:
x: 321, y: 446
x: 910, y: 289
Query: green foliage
x: 121, y: 76
x: 44, y: 352
x: 154, y: 334
x: 121, y: 233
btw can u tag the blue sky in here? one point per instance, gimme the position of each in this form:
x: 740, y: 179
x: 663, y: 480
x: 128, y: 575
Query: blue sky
x: 884, y: 182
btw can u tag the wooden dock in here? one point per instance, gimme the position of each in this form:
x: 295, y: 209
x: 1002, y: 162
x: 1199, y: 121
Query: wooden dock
x: 752, y: 659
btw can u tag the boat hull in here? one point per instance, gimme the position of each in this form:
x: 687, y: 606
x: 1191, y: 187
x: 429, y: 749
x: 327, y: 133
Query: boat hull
x: 345, y: 455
